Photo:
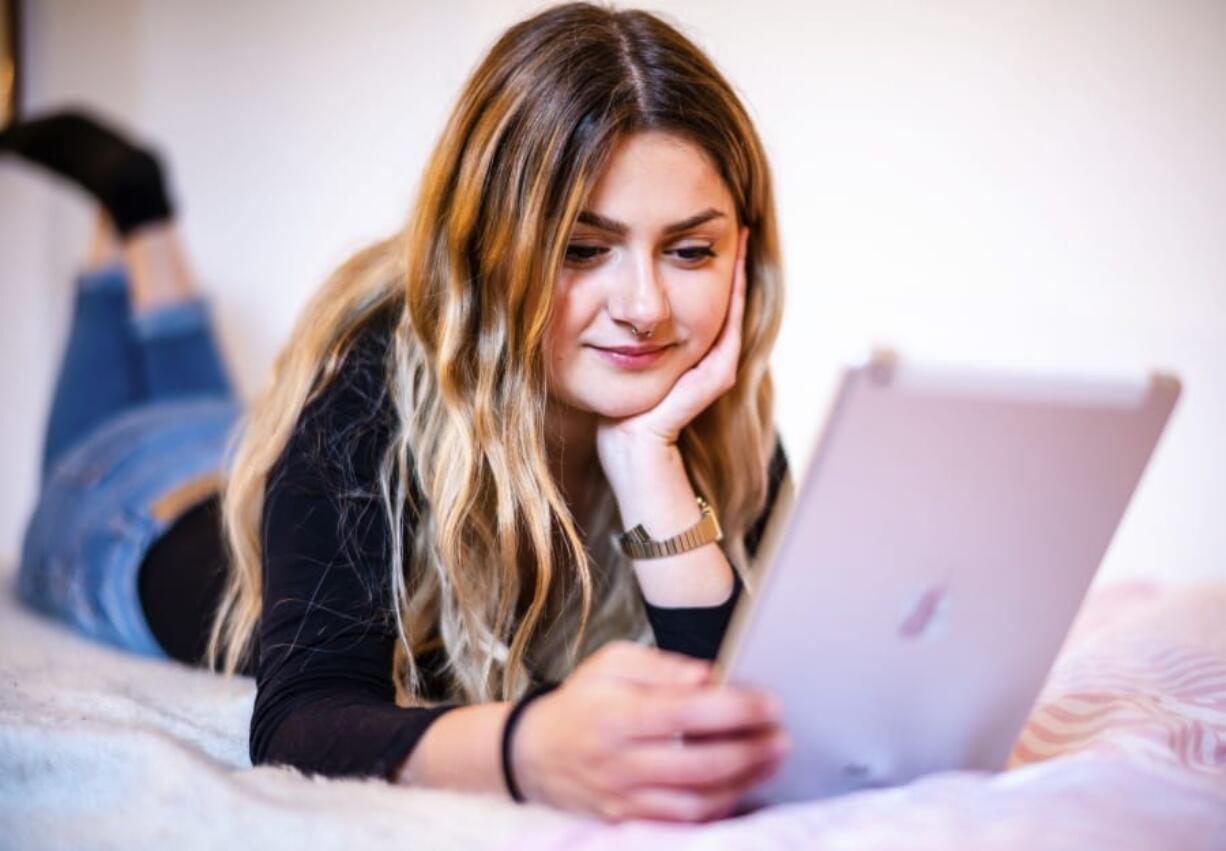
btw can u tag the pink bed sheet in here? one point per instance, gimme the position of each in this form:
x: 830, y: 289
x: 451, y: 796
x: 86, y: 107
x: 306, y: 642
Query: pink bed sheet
x: 1125, y: 748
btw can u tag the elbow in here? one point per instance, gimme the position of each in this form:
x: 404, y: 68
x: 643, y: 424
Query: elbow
x: 271, y: 722
x: 259, y: 739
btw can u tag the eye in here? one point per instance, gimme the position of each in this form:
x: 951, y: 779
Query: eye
x: 694, y: 255
x: 581, y: 255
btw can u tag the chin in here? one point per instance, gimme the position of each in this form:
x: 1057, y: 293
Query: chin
x: 617, y: 400
x: 621, y: 409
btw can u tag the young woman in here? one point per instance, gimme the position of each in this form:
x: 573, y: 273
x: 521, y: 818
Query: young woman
x: 429, y: 567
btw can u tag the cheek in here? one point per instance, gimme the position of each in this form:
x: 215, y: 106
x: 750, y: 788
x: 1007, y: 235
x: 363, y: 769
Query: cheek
x: 569, y: 319
x: 562, y: 311
x: 556, y: 355
x: 702, y: 311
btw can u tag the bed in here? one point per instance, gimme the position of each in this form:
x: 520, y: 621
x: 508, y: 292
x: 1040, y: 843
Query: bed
x: 1125, y: 748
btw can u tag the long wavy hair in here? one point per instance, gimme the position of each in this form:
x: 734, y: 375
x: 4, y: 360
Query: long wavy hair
x: 498, y: 571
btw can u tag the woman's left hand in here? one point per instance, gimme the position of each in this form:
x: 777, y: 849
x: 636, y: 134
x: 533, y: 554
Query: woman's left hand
x: 697, y: 388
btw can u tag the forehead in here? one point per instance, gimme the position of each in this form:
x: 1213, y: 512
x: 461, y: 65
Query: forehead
x: 655, y: 178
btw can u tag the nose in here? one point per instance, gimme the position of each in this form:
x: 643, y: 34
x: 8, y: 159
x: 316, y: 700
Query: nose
x: 638, y: 300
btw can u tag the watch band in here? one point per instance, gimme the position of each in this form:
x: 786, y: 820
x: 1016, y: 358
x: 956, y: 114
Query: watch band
x: 637, y: 544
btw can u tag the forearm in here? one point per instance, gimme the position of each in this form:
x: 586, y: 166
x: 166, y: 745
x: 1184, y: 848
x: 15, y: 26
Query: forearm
x: 460, y: 750
x: 651, y: 487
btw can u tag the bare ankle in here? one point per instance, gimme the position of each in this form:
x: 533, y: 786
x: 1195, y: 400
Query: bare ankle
x: 104, y: 246
x: 157, y: 264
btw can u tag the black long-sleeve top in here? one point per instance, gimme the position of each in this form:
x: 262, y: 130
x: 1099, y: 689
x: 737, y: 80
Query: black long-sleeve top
x: 325, y: 693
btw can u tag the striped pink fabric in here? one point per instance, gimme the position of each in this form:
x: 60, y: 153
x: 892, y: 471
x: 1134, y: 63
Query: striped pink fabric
x: 1150, y: 687
x: 1125, y: 749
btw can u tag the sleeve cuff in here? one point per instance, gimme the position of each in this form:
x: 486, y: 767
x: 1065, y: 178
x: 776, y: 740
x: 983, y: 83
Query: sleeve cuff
x: 695, y: 631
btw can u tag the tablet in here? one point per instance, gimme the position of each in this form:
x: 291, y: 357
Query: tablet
x: 911, y: 602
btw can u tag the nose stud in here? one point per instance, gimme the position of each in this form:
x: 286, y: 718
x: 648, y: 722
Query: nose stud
x: 639, y: 334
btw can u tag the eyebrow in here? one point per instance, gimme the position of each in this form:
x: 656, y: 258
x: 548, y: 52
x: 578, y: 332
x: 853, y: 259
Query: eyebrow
x: 596, y: 220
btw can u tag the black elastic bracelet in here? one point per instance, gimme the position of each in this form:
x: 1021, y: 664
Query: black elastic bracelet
x: 509, y: 727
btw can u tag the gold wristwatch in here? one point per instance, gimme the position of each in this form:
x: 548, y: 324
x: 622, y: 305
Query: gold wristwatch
x: 637, y: 544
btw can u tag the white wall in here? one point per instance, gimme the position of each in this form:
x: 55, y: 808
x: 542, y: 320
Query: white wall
x: 1035, y: 184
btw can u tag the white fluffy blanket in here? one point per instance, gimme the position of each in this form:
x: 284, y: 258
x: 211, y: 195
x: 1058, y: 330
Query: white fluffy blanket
x: 1126, y: 749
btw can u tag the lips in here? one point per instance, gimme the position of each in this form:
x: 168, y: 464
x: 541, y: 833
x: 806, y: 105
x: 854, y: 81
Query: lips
x: 632, y: 357
x: 631, y: 350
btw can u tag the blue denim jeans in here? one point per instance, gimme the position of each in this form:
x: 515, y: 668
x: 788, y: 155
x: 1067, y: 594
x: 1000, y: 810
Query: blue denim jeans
x: 141, y: 409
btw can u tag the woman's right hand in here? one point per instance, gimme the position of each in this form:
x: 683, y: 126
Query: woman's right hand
x: 637, y: 732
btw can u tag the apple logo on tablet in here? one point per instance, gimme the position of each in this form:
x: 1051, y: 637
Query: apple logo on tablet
x: 926, y: 614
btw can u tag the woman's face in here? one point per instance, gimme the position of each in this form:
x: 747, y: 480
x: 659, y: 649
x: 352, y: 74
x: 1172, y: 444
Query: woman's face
x: 652, y: 251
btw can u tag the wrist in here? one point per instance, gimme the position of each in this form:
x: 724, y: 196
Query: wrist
x: 624, y: 457
x: 639, y: 544
x: 524, y: 738
x: 652, y: 488
x: 629, y: 462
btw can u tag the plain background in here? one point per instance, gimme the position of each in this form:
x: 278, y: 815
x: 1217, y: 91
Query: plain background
x: 1035, y: 185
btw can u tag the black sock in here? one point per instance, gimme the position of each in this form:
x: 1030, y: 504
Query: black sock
x: 125, y: 179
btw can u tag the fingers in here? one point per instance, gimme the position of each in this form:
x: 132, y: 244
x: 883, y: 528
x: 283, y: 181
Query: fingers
x: 740, y: 282
x: 697, y: 709
x: 649, y: 666
x: 711, y: 711
x: 648, y: 735
x: 694, y: 804
x: 736, y: 300
x: 709, y: 765
x: 670, y: 805
x: 736, y: 308
x: 721, y: 361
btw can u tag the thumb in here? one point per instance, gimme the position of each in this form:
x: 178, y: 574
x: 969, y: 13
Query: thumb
x: 649, y: 666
